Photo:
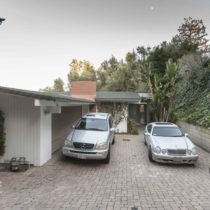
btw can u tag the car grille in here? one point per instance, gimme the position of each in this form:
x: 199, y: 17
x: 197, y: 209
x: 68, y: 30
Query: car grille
x: 84, y: 146
x: 176, y: 151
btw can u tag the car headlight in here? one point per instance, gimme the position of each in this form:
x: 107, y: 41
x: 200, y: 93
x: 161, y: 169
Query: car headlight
x: 189, y: 151
x: 164, y: 151
x: 194, y: 152
x: 157, y: 150
x: 68, y: 143
x: 101, y: 145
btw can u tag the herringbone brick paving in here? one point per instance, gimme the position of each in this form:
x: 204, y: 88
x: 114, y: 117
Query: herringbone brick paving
x: 128, y: 181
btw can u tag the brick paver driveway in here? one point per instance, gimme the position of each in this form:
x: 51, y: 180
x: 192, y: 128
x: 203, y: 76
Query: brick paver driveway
x: 129, y: 181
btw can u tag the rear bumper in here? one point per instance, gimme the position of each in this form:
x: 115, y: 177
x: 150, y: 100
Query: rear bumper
x: 85, y: 154
x: 188, y: 159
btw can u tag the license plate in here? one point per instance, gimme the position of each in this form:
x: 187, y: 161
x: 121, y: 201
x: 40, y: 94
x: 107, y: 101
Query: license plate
x: 81, y: 157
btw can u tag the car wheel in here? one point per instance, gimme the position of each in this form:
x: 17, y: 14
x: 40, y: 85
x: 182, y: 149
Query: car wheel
x: 150, y: 154
x: 107, y: 159
x: 113, y: 141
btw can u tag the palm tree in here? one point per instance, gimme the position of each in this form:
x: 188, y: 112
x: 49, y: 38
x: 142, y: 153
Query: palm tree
x: 171, y: 78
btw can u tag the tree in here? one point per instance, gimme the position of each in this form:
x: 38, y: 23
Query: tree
x: 191, y: 67
x: 104, y: 72
x: 75, y: 70
x: 127, y: 75
x: 143, y: 52
x: 58, y: 85
x: 81, y: 70
x: 88, y: 71
x: 193, y: 31
x: 46, y: 89
x: 147, y: 73
x: 161, y: 88
x: 171, y: 77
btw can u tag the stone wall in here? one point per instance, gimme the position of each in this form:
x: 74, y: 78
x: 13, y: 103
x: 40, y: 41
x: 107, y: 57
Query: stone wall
x: 199, y: 135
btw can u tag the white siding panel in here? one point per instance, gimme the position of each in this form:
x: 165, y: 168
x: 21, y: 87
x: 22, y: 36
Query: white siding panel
x: 45, y: 136
x: 22, y: 124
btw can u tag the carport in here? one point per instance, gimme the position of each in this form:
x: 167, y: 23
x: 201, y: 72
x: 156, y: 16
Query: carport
x: 36, y: 123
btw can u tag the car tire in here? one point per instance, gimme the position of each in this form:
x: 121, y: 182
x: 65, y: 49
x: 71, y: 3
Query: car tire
x: 107, y: 159
x: 150, y: 154
x: 113, y: 141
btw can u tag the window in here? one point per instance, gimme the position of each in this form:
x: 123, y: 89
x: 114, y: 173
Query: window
x: 167, y: 131
x: 92, y: 124
x: 110, y: 122
x: 149, y: 128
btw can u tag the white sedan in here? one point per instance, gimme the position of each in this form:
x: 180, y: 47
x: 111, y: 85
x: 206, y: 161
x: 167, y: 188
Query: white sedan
x: 167, y: 144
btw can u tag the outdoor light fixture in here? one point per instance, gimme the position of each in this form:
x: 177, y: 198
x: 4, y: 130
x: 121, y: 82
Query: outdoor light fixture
x: 1, y: 20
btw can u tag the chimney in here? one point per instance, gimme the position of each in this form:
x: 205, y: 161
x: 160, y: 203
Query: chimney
x: 83, y: 89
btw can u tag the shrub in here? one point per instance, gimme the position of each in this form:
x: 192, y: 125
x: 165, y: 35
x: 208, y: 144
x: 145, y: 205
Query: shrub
x: 2, y: 134
x: 132, y: 129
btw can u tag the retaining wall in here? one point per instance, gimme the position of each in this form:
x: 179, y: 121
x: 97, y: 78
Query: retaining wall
x: 199, y: 135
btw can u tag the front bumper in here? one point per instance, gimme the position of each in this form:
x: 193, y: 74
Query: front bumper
x: 187, y: 159
x: 85, y: 154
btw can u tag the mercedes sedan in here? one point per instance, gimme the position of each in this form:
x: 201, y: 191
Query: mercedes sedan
x: 168, y: 144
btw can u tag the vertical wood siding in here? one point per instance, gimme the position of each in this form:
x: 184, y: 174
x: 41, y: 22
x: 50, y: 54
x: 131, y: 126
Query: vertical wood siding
x: 45, y: 136
x: 22, y: 124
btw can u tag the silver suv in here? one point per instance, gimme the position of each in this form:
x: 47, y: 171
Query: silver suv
x: 91, y: 138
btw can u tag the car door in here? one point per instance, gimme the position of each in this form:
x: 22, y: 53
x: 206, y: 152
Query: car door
x: 147, y: 134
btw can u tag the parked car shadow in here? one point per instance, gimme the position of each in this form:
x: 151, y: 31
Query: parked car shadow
x: 82, y: 162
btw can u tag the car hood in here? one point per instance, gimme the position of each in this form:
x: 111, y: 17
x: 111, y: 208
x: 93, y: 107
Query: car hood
x: 86, y: 136
x: 171, y: 142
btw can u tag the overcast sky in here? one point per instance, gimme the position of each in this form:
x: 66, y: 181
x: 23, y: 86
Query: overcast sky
x: 40, y: 37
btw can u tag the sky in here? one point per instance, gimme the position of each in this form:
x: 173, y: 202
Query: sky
x: 39, y: 38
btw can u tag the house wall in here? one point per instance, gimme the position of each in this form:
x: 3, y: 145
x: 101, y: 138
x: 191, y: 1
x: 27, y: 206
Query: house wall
x: 45, y: 136
x: 22, y: 126
x: 62, y: 125
x: 122, y: 127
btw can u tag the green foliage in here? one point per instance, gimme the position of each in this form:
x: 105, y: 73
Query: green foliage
x: 161, y: 88
x: 81, y: 71
x: 2, y: 134
x: 57, y: 87
x: 194, y: 32
x: 194, y: 107
x: 192, y: 98
x: 132, y: 129
x: 121, y: 76
x: 75, y: 68
x: 117, y: 110
x: 105, y: 71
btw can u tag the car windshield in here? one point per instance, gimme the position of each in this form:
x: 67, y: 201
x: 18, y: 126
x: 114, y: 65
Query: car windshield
x: 167, y: 131
x: 92, y: 124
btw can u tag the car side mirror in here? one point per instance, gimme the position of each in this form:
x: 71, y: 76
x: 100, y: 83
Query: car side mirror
x: 112, y: 129
x: 146, y: 134
x: 73, y: 126
x: 186, y: 134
